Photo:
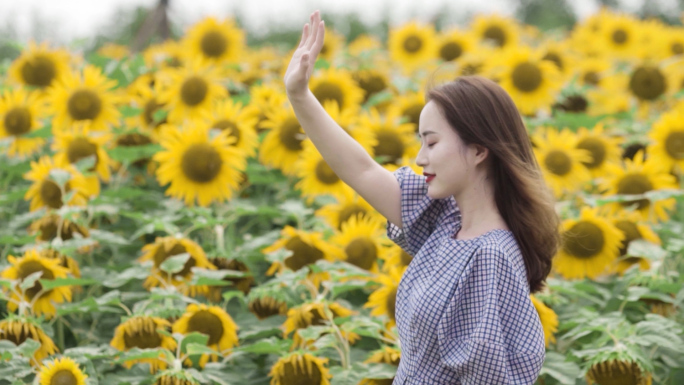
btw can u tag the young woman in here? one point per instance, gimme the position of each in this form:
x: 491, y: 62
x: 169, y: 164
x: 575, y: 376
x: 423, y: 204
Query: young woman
x: 463, y: 310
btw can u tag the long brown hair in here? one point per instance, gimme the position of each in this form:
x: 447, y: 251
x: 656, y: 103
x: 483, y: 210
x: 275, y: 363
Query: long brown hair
x: 483, y: 113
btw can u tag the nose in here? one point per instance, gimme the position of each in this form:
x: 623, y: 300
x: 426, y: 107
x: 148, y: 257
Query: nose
x: 421, y: 160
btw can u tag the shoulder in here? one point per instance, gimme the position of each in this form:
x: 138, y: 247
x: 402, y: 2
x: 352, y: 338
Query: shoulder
x: 498, y: 250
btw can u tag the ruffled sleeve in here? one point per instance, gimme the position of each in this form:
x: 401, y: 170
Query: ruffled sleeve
x: 419, y: 213
x: 490, y: 332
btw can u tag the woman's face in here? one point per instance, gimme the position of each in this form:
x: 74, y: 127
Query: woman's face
x: 444, y: 154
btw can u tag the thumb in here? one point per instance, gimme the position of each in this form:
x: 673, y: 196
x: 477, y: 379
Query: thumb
x: 304, y: 64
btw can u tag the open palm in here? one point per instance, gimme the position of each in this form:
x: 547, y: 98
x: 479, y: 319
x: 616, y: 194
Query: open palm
x: 302, y: 63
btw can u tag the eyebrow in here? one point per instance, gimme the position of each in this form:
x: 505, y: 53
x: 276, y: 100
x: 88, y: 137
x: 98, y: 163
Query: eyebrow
x: 426, y: 133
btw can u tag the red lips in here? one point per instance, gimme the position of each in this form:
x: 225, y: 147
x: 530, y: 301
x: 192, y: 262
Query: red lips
x: 429, y: 177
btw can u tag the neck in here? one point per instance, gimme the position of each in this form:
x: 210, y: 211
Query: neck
x: 479, y: 213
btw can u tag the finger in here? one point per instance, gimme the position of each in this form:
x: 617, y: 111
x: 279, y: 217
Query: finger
x: 304, y: 64
x: 315, y: 19
x: 320, y: 38
x: 305, y: 35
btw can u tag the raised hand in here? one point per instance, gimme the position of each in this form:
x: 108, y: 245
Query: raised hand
x: 302, y: 63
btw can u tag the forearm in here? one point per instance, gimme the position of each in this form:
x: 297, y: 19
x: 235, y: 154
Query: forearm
x: 345, y: 156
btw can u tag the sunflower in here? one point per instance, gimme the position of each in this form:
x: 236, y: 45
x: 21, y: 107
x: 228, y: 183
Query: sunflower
x: 21, y: 112
x: 549, y: 319
x: 349, y: 121
x: 165, y: 247
x: 632, y: 227
x: 409, y: 106
x: 215, y: 41
x: 672, y: 41
x: 617, y: 372
x: 561, y: 55
x: 316, y: 176
x: 386, y: 355
x: 300, y: 368
x: 38, y: 66
x: 647, y: 82
x: 46, y: 192
x: 282, y: 146
x: 265, y: 100
x: 49, y: 226
x: 338, y: 85
x: 212, y: 321
x: 398, y: 143
x: 80, y: 141
x: 590, y: 246
x: 264, y: 307
x: 372, y: 81
x: 412, y: 45
x: 62, y: 371
x: 169, y: 54
x: 64, y: 260
x: 619, y: 36
x: 18, y: 329
x: 560, y: 160
x: 532, y: 82
x: 144, y: 93
x: 190, y: 91
x: 496, y: 31
x: 141, y: 332
x: 231, y: 117
x: 452, y: 45
x: 667, y: 134
x: 396, y: 257
x: 360, y: 240
x: 306, y: 248
x: 114, y: 51
x: 638, y: 177
x: 383, y: 300
x: 473, y: 63
x: 590, y: 71
x: 364, y: 44
x: 349, y: 205
x: 198, y: 166
x: 604, y: 149
x: 170, y: 377
x: 244, y: 284
x: 313, y: 314
x: 76, y: 97
x: 332, y: 44
x: 32, y: 262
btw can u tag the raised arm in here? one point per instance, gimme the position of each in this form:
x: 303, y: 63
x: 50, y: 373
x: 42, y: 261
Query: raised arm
x: 343, y: 154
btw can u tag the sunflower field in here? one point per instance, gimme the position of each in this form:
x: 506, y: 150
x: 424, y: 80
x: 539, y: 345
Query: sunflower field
x: 165, y: 219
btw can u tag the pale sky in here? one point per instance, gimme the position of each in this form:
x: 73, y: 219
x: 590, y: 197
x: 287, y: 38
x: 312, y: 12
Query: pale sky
x: 71, y: 19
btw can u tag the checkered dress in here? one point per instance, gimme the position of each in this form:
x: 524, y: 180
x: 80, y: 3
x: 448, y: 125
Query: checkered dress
x: 463, y: 310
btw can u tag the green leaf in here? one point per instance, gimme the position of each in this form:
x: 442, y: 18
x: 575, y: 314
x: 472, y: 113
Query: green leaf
x: 129, y: 111
x: 175, y: 263
x: 30, y: 280
x: 43, y: 132
x: 136, y: 272
x: 159, y: 115
x: 556, y: 366
x: 107, y: 237
x: 137, y: 354
x: 266, y: 346
x: 130, y: 154
x: 194, y: 338
x: 194, y: 349
x: 59, y: 176
x: 29, y: 347
x: 18, y: 240
x: 49, y: 284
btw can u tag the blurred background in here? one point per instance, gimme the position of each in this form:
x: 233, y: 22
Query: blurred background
x: 88, y: 25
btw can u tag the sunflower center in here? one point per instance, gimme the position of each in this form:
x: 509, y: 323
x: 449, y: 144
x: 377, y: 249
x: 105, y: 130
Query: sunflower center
x: 142, y: 338
x: 583, y: 240
x: 303, y: 254
x: 555, y: 59
x: 39, y: 71
x: 597, y: 149
x: 674, y: 144
x: 325, y: 174
x: 84, y: 104
x: 591, y: 77
x: 471, y: 69
x: 208, y: 323
x: 29, y: 267
x: 133, y: 139
x: 194, y: 90
x: 214, y: 44
x: 51, y: 194
x: 291, y: 135
x: 389, y: 147
x: 371, y: 85
x: 148, y: 112
x: 413, y: 44
x: 18, y: 121
x: 295, y: 374
x: 80, y: 148
x: 18, y: 339
x: 631, y: 232
x: 634, y: 184
x: 161, y: 255
x: 413, y: 113
x: 677, y: 48
x: 361, y: 252
x: 201, y: 163
x: 265, y: 307
x: 617, y: 373
x: 225, y: 124
x: 63, y: 377
x: 558, y: 162
x: 350, y: 211
x: 329, y: 91
x: 391, y: 301
x: 526, y: 77
x: 619, y: 36
x: 573, y: 103
x: 450, y: 51
x: 647, y: 83
x: 405, y: 258
x: 496, y: 35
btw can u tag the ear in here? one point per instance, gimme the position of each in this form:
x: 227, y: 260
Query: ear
x: 481, y: 153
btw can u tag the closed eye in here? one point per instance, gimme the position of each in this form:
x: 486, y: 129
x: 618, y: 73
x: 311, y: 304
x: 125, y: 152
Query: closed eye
x: 430, y: 145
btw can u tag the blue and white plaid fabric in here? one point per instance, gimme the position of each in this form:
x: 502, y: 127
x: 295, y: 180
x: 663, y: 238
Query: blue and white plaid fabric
x: 463, y: 310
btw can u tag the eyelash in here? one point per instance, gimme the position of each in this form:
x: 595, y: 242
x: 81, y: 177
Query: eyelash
x: 430, y: 145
